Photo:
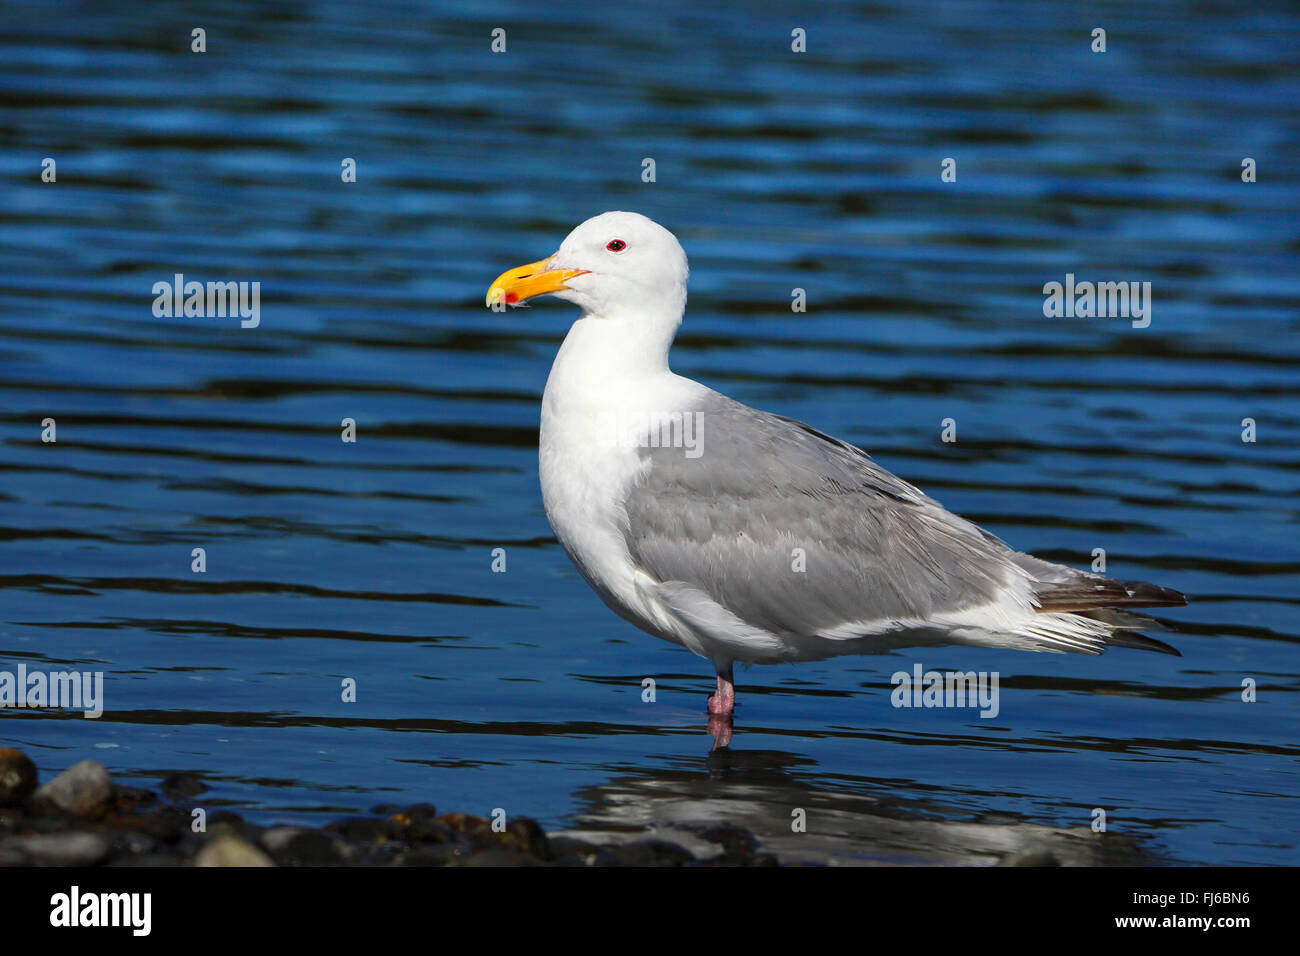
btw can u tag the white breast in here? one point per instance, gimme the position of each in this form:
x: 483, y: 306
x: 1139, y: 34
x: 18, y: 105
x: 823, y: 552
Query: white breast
x: 586, y: 470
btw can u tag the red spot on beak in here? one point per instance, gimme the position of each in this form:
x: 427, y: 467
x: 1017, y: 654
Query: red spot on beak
x: 511, y: 298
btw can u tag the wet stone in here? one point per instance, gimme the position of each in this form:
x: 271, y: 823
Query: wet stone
x: 364, y: 828
x: 645, y: 853
x: 56, y: 849
x: 276, y: 839
x: 134, y: 844
x: 430, y: 856
x: 17, y: 777
x: 127, y: 799
x: 231, y: 851
x: 231, y: 828
x: 464, y: 823
x: 734, y: 840
x: 177, y: 786
x: 420, y: 824
x: 298, y: 847
x: 167, y: 824
x: 416, y: 812
x: 526, y: 836
x: 497, y: 856
x: 570, y: 851
x: 474, y: 833
x: 83, y: 790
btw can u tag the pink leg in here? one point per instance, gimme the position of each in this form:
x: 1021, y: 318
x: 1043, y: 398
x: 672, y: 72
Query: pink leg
x: 723, y: 703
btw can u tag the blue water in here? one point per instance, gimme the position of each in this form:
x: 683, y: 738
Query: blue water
x: 777, y: 170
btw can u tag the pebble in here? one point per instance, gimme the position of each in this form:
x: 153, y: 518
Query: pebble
x: 56, y: 849
x: 573, y: 852
x: 644, y: 853
x: 526, y: 836
x: 420, y: 824
x: 734, y: 840
x: 135, y: 844
x: 132, y: 826
x: 178, y: 785
x: 83, y: 790
x: 444, y: 855
x: 295, y: 846
x: 363, y: 828
x: 276, y: 839
x: 231, y: 851
x: 17, y: 777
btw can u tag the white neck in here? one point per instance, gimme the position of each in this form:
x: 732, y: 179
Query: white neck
x: 606, y: 368
x: 602, y: 352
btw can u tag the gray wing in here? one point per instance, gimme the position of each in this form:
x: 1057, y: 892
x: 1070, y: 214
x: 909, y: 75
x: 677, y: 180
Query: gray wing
x: 876, y: 549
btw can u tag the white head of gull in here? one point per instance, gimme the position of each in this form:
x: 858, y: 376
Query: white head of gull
x: 746, y: 536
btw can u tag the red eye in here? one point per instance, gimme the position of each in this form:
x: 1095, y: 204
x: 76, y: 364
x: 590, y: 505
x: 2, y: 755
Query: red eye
x: 616, y: 245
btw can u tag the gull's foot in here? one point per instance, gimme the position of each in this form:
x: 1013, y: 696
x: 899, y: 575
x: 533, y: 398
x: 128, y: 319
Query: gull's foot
x: 723, y: 703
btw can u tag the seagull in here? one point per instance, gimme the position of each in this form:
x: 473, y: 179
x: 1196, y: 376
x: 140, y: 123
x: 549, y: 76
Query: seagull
x: 749, y: 537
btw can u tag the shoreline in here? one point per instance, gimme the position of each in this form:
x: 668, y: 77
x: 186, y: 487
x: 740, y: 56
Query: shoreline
x: 82, y: 818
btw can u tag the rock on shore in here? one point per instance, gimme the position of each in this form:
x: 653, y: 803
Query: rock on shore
x: 82, y: 818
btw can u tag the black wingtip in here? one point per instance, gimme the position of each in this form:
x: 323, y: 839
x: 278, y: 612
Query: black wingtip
x: 1166, y: 597
x: 1140, y: 642
x: 1091, y: 592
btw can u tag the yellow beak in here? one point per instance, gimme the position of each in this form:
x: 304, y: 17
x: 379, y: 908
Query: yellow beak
x: 516, y: 285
